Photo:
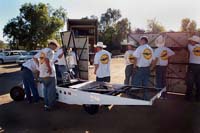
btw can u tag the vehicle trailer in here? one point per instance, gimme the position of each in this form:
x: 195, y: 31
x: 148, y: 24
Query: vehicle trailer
x: 91, y: 94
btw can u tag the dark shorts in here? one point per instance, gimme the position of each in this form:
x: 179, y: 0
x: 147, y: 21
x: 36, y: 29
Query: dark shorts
x: 104, y: 79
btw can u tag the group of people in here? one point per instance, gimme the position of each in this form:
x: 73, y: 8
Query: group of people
x: 50, y: 65
x: 142, y: 60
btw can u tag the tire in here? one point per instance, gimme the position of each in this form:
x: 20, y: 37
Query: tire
x: 1, y: 61
x: 17, y: 93
x: 91, y: 109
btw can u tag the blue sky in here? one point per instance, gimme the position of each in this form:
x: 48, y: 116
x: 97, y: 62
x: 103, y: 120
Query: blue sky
x: 168, y: 12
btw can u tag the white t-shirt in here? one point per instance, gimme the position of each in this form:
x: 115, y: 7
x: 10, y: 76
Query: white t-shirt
x: 163, y: 53
x: 103, y: 59
x: 144, y: 55
x: 46, y: 53
x: 194, y: 53
x: 72, y: 59
x: 31, y: 65
x: 61, y: 61
x: 129, y: 58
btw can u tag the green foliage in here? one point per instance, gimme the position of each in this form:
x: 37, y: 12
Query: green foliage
x: 35, y: 24
x: 113, y: 30
x: 111, y: 16
x: 188, y: 25
x: 154, y: 26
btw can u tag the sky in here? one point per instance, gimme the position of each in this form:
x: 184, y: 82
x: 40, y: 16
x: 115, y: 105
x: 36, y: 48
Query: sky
x: 168, y: 12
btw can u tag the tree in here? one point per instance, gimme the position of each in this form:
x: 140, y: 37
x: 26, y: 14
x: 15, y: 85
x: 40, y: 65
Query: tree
x: 123, y: 28
x: 35, y: 24
x: 154, y: 26
x: 188, y: 25
x: 111, y: 16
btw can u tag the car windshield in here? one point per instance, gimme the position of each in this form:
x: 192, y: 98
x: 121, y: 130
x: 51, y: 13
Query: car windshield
x: 25, y: 53
x: 33, y: 52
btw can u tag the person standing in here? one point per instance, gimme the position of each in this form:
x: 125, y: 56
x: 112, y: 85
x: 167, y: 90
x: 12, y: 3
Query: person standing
x: 47, y: 73
x: 102, y: 61
x: 193, y: 72
x: 29, y: 68
x: 130, y: 62
x: 60, y: 60
x: 144, y: 56
x: 73, y: 61
x: 162, y: 55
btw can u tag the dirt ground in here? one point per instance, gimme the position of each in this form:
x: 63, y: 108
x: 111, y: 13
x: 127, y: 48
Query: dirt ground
x: 170, y: 115
x: 117, y: 71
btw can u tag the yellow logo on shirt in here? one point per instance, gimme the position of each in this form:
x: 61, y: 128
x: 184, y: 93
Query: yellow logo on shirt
x: 147, y: 54
x: 164, y: 55
x: 131, y: 59
x: 196, y: 51
x: 104, y: 59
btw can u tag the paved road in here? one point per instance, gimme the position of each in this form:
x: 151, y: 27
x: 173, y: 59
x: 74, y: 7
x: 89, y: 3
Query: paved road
x: 173, y: 115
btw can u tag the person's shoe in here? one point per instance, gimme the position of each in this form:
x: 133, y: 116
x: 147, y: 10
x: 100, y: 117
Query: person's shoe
x: 46, y: 108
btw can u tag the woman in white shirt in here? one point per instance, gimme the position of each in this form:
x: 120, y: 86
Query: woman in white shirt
x: 47, y: 73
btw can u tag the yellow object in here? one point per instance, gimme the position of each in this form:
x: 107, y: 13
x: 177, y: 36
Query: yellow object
x: 164, y: 55
x: 196, y: 51
x: 104, y: 59
x: 147, y: 54
x: 131, y: 59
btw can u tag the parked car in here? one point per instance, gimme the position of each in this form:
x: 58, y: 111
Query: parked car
x: 10, y: 56
x: 26, y: 56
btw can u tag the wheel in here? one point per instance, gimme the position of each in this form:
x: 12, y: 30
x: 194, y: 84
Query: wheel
x: 91, y: 109
x: 1, y: 61
x: 17, y: 93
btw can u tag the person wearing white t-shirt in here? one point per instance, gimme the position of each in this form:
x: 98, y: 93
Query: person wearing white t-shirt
x: 130, y: 62
x: 29, y: 68
x: 73, y: 61
x: 102, y: 61
x: 47, y: 73
x: 61, y: 63
x: 193, y: 72
x: 144, y: 56
x: 162, y: 55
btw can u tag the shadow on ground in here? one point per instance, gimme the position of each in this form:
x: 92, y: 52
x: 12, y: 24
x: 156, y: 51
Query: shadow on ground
x: 165, y: 116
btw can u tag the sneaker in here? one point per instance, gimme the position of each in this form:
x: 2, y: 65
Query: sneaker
x: 46, y: 108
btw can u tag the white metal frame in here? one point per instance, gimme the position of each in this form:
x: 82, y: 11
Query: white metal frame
x: 75, y: 95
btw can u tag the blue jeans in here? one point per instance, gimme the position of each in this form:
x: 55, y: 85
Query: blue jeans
x: 160, y: 77
x: 49, y: 91
x: 62, y: 69
x: 141, y: 79
x: 29, y: 84
x: 128, y: 74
